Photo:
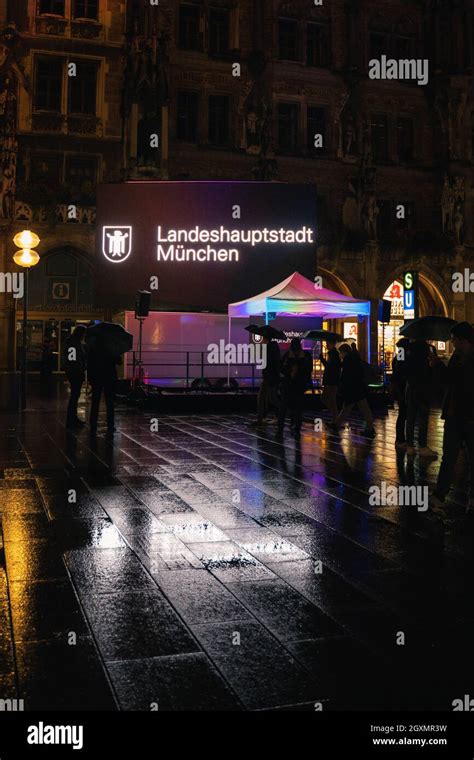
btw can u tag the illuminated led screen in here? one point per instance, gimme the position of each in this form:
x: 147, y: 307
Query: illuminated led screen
x: 201, y: 245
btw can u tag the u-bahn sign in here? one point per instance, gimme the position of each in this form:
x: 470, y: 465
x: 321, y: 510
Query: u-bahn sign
x: 201, y: 245
x: 410, y: 295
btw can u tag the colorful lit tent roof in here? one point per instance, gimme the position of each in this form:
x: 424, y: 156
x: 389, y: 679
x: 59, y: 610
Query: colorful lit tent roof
x: 298, y: 296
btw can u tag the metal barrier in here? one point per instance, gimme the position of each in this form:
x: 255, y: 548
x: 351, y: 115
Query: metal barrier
x: 190, y: 360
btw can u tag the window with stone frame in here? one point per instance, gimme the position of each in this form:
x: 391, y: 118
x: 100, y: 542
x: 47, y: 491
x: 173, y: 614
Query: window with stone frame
x: 86, y: 9
x: 402, y: 46
x: 51, y: 7
x: 82, y: 93
x: 288, y: 39
x: 405, y: 139
x: 379, y: 137
x: 318, y: 52
x: 46, y: 168
x: 80, y: 169
x: 379, y: 44
x: 219, y: 31
x: 187, y: 102
x: 189, y: 37
x: 218, y: 120
x: 315, y: 125
x: 48, y: 84
x: 288, y: 127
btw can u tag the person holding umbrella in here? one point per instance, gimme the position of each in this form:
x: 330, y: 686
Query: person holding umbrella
x: 331, y: 376
x: 268, y: 392
x: 419, y: 389
x: 74, y: 363
x: 457, y: 413
x: 106, y: 342
x: 354, y: 390
x: 296, y: 368
x: 398, y: 392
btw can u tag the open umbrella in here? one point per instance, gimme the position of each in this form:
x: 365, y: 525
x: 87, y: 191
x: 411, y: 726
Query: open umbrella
x: 113, y: 339
x: 322, y: 335
x: 266, y: 331
x: 428, y: 328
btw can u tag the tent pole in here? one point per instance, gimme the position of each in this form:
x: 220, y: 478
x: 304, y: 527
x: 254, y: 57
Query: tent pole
x: 229, y: 319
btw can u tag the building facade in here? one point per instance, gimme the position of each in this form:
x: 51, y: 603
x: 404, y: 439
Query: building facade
x: 103, y: 90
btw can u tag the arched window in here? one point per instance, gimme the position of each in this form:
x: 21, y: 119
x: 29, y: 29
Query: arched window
x: 60, y: 282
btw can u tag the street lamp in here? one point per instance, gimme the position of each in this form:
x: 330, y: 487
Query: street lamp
x: 25, y: 257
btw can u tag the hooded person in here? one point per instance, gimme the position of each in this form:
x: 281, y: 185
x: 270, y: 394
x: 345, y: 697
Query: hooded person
x: 457, y: 413
x: 74, y: 365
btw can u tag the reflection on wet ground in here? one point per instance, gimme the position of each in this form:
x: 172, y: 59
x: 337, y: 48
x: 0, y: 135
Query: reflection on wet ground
x: 209, y: 566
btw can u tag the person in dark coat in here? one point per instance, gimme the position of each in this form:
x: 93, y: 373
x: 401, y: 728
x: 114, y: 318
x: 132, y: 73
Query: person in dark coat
x: 331, y: 377
x: 354, y: 390
x: 419, y: 390
x: 268, y: 393
x: 457, y: 412
x: 398, y: 390
x: 74, y: 363
x: 102, y: 375
x: 296, y: 368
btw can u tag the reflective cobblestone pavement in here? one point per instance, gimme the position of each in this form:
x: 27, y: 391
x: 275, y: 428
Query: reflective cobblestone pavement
x: 208, y: 566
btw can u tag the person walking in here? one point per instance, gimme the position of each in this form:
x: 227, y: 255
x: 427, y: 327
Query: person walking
x: 268, y: 393
x: 457, y: 413
x: 331, y: 377
x: 102, y: 375
x: 398, y: 391
x: 419, y: 377
x: 296, y: 368
x: 353, y: 390
x: 74, y: 363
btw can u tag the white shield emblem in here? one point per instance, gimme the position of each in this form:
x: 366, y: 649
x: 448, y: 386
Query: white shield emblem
x: 116, y: 243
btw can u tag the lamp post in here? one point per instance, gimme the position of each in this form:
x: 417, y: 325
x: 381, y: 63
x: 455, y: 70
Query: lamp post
x: 25, y: 257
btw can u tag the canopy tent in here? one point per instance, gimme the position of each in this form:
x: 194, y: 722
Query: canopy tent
x: 298, y: 296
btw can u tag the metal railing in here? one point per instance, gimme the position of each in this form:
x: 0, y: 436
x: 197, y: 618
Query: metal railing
x: 190, y: 360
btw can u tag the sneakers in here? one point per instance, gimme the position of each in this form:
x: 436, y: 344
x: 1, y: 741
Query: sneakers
x: 425, y: 451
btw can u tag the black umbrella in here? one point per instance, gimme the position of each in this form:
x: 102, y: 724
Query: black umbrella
x: 111, y: 338
x: 266, y: 331
x: 428, y: 328
x: 322, y: 335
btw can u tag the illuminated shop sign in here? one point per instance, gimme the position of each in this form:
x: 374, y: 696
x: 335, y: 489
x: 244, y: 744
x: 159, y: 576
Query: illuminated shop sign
x: 205, y: 244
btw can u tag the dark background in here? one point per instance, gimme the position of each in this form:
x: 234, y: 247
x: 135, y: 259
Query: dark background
x: 182, y: 205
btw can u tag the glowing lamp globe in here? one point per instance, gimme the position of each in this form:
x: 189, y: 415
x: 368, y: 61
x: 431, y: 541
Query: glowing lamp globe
x: 26, y: 239
x: 26, y: 258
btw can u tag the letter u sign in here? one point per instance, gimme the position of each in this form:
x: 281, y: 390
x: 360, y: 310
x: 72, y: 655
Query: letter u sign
x: 409, y: 299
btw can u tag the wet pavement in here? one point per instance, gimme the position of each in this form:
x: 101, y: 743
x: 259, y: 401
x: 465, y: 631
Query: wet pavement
x: 208, y: 566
